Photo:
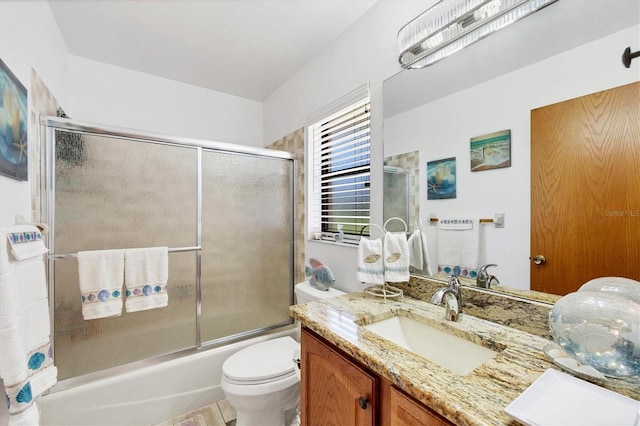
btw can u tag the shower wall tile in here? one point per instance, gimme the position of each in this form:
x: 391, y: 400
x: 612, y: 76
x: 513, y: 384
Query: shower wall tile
x: 409, y: 161
x: 41, y: 103
x: 294, y: 143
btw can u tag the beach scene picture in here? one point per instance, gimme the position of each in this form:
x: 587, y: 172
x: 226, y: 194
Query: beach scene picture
x: 13, y: 125
x: 492, y: 151
x: 441, y: 179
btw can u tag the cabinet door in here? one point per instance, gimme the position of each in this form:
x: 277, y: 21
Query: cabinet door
x: 334, y: 391
x: 404, y: 411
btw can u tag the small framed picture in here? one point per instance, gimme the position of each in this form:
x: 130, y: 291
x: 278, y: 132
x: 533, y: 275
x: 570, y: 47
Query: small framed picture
x: 492, y: 151
x: 13, y: 126
x: 441, y: 179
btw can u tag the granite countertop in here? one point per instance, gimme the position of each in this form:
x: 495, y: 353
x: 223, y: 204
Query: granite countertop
x: 478, y: 398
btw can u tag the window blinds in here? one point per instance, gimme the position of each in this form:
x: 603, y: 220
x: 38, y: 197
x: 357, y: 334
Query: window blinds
x: 341, y: 171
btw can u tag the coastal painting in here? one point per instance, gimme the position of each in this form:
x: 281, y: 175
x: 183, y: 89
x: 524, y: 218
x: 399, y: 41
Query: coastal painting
x: 441, y: 179
x: 13, y: 125
x: 492, y: 151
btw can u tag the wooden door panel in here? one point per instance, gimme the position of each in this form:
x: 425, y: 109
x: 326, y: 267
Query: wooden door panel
x: 585, y: 189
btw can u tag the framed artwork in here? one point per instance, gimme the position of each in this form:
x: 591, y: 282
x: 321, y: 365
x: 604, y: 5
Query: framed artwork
x: 492, y: 151
x: 13, y: 125
x: 441, y: 179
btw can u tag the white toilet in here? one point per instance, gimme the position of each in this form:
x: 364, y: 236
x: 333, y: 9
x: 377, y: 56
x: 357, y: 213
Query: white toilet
x: 260, y: 381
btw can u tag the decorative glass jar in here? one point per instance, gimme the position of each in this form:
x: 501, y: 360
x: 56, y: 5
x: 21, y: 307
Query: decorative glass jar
x: 600, y: 329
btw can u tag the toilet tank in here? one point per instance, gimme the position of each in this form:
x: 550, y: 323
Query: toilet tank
x: 306, y: 293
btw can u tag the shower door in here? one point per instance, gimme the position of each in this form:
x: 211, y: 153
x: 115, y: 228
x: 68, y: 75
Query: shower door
x: 225, y: 212
x: 246, y: 235
x: 109, y: 194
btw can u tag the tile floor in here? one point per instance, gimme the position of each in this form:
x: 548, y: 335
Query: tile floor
x: 219, y: 413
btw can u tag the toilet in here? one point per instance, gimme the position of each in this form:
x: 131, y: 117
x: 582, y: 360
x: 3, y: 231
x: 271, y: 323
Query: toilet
x: 261, y: 381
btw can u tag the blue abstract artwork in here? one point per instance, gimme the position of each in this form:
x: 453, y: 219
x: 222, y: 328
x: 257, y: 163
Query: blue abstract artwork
x: 13, y: 125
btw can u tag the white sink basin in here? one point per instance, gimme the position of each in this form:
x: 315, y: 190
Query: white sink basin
x: 454, y: 353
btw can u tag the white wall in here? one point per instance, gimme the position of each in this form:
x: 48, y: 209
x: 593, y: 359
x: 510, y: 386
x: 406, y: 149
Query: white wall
x: 106, y: 94
x: 29, y: 38
x: 442, y: 129
x: 366, y: 52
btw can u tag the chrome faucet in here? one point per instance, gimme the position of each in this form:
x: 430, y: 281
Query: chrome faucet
x: 451, y: 296
x: 484, y: 279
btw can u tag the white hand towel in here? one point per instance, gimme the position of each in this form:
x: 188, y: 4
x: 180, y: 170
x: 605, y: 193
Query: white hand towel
x: 459, y: 247
x: 26, y: 363
x: 425, y: 254
x: 25, y: 241
x: 370, y: 266
x: 101, y: 276
x: 415, y: 250
x: 396, y: 257
x: 419, y: 252
x: 146, y: 275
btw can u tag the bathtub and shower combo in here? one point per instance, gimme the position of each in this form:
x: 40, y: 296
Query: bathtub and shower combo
x: 226, y: 214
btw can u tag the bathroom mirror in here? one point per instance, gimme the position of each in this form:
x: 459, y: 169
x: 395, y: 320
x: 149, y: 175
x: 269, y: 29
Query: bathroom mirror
x: 567, y: 50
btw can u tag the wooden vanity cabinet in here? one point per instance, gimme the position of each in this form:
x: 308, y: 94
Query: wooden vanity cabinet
x: 336, y: 390
x: 399, y: 409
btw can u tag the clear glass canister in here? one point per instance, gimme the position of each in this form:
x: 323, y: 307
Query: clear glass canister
x: 600, y: 329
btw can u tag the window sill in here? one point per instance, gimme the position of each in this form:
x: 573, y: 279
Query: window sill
x: 347, y: 243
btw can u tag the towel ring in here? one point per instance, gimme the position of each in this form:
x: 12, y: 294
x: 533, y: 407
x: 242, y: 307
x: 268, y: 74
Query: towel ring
x: 396, y: 218
x: 369, y: 225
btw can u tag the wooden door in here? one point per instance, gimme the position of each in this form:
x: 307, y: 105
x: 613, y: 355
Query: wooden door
x: 585, y: 189
x: 334, y: 391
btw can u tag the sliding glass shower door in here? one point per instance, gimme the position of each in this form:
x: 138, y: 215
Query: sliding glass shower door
x: 246, y: 234
x: 225, y: 216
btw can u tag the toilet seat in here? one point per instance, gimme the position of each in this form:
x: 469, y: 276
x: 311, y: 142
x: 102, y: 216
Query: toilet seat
x: 264, y: 362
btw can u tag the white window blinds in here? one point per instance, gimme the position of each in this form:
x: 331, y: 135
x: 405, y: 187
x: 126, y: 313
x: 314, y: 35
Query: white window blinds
x: 341, y: 172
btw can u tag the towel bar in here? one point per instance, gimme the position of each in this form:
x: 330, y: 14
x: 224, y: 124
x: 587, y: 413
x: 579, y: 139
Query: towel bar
x: 498, y: 220
x: 171, y: 250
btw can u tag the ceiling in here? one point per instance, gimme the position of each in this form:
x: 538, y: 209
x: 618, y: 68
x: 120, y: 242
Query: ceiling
x: 246, y: 48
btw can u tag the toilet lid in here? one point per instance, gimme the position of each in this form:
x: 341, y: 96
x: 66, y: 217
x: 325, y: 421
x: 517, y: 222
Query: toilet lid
x: 263, y: 362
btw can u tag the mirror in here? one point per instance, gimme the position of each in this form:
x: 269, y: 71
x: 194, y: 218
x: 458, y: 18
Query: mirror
x: 567, y: 50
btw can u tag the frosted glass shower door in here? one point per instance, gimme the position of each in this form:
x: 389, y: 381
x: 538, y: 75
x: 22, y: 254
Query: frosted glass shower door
x: 113, y: 193
x: 247, y: 243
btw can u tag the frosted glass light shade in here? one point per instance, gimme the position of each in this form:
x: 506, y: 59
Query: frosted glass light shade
x: 450, y: 25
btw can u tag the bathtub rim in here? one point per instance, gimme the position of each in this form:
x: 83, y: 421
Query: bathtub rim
x: 224, y: 343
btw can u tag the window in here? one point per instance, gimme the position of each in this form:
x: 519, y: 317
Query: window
x: 340, y: 144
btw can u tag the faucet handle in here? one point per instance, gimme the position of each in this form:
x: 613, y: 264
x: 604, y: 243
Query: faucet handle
x: 483, y: 268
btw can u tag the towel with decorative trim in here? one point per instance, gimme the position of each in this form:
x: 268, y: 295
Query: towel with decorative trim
x: 459, y: 247
x: 146, y: 276
x: 396, y: 257
x: 370, y: 267
x: 25, y: 241
x: 26, y: 361
x: 101, y: 276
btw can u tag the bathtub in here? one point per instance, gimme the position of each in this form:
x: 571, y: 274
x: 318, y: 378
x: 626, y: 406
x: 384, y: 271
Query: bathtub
x: 146, y: 396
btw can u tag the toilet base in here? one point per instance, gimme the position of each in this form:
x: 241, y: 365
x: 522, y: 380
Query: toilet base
x: 290, y: 417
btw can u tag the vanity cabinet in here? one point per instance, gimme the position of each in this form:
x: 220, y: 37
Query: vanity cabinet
x: 399, y: 409
x: 336, y: 390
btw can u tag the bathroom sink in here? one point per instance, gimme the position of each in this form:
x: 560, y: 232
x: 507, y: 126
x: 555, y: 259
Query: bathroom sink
x: 457, y: 354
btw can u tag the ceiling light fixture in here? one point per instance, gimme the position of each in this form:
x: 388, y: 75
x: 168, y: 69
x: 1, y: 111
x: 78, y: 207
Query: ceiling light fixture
x: 450, y: 25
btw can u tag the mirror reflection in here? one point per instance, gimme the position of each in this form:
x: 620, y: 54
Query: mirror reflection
x: 565, y: 51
